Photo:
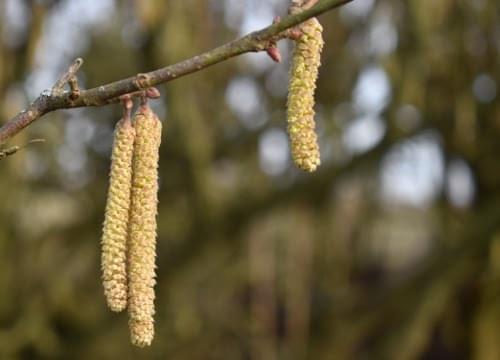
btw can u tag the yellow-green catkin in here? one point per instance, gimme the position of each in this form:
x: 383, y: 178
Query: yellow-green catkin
x: 300, y: 109
x: 115, y: 228
x: 142, y: 237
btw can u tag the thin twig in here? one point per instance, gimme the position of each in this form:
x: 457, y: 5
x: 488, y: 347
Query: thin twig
x: 256, y: 41
x: 14, y: 149
x: 75, y: 89
x: 68, y: 76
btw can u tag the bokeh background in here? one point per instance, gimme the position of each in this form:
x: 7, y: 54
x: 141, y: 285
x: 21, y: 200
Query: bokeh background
x: 390, y: 251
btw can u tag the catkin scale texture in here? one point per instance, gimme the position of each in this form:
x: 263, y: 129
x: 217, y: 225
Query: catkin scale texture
x: 142, y: 237
x: 300, y: 108
x: 115, y: 228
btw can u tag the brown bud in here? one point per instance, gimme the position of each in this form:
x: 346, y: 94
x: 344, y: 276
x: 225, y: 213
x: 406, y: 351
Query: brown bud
x: 274, y: 53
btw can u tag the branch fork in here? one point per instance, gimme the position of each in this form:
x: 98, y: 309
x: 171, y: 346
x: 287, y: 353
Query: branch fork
x: 69, y: 77
x: 293, y: 33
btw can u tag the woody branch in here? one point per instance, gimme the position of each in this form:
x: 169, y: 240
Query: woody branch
x: 57, y: 98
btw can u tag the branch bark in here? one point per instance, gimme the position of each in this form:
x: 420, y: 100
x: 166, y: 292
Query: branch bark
x: 56, y: 99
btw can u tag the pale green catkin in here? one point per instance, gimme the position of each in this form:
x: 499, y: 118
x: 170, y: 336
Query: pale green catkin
x: 142, y: 237
x: 300, y: 108
x: 115, y: 228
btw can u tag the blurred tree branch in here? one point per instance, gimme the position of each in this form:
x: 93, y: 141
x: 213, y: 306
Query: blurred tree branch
x: 105, y: 94
x: 242, y: 212
x: 409, y: 301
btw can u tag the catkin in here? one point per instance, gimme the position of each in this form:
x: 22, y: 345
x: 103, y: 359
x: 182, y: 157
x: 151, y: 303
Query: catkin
x: 142, y: 237
x: 300, y: 109
x: 115, y: 228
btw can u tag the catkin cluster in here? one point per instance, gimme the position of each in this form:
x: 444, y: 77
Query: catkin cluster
x: 300, y: 108
x: 129, y: 231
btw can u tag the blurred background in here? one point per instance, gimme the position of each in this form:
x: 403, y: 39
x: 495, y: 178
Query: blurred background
x: 390, y: 251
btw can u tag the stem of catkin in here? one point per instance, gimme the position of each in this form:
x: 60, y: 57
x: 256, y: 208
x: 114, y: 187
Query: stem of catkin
x: 115, y: 228
x: 142, y: 237
x: 300, y: 110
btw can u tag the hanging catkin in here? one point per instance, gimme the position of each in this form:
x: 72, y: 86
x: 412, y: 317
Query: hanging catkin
x: 142, y: 240
x: 300, y: 110
x: 115, y: 228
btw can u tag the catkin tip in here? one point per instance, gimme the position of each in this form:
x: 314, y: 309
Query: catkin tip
x: 141, y: 333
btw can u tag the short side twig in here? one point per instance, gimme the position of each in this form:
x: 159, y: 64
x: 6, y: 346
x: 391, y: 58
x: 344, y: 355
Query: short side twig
x: 67, y: 77
x: 14, y: 149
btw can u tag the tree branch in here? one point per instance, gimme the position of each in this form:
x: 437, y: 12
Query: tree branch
x: 59, y: 99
